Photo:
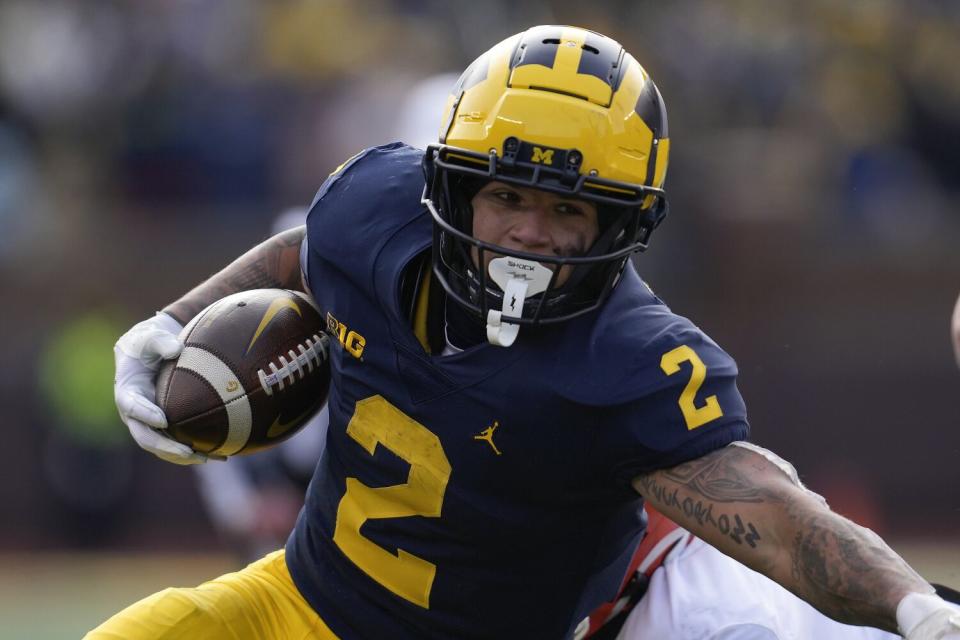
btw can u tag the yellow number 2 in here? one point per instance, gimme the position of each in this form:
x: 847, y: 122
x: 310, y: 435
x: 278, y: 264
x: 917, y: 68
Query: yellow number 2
x: 694, y: 415
x: 376, y: 421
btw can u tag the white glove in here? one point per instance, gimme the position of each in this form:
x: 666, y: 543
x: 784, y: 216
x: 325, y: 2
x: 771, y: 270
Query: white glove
x: 138, y: 355
x: 925, y: 616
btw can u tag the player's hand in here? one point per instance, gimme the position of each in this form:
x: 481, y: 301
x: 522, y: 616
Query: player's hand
x: 928, y: 617
x: 138, y: 355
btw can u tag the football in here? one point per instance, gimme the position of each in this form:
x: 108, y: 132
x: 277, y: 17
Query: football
x: 253, y: 370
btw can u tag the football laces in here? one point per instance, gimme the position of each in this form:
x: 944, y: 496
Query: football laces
x: 294, y: 366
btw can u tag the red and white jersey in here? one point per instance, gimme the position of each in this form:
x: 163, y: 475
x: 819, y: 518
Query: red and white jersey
x: 691, y: 591
x: 661, y: 537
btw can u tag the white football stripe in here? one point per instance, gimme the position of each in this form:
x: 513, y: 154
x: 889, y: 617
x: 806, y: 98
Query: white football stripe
x: 216, y: 372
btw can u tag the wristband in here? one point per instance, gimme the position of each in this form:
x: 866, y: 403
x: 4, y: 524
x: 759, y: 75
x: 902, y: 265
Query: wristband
x: 915, y: 608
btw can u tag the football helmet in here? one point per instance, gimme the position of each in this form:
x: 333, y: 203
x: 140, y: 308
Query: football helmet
x: 561, y: 109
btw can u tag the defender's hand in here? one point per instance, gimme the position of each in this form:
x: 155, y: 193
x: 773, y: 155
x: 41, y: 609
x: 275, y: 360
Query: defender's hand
x: 928, y: 617
x: 138, y: 355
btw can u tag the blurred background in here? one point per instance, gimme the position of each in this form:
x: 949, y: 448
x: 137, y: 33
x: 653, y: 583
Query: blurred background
x: 814, y: 233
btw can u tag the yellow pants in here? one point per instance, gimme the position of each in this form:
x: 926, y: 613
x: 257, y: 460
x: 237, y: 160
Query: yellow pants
x: 259, y: 601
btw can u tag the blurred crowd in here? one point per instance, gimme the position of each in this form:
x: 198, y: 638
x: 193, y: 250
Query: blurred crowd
x: 814, y: 186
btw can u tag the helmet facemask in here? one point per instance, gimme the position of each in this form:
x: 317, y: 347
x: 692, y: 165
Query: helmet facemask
x: 626, y: 218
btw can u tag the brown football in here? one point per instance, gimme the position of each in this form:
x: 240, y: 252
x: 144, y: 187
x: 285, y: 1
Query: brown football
x: 253, y: 370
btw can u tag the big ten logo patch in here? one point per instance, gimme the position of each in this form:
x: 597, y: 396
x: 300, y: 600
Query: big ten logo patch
x: 352, y: 341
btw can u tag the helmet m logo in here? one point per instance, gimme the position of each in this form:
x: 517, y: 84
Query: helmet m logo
x: 542, y: 156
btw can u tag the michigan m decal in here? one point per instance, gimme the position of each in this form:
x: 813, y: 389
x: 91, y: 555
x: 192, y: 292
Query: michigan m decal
x: 541, y: 156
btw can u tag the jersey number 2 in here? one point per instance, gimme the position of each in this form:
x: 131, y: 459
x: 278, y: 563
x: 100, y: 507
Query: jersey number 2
x: 694, y: 416
x: 376, y: 421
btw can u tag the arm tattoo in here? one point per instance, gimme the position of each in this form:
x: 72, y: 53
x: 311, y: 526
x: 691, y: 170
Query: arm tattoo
x: 699, y: 488
x: 718, y: 476
x: 741, y: 502
x: 846, y: 570
x: 273, y: 263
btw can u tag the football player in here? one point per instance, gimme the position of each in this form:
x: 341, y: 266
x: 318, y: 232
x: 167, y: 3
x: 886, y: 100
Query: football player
x: 506, y: 390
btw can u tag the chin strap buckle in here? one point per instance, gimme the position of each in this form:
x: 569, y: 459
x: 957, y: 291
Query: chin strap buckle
x: 518, y: 279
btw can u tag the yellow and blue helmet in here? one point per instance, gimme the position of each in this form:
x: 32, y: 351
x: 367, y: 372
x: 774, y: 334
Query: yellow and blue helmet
x: 561, y: 109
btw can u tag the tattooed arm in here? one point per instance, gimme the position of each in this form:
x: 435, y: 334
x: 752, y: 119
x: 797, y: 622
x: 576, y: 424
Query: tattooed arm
x: 273, y: 263
x: 750, y: 505
x: 139, y: 352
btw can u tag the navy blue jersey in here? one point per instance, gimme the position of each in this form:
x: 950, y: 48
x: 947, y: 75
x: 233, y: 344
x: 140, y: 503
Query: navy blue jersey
x: 487, y: 493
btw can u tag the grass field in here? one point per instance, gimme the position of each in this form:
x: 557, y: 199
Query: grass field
x: 54, y: 596
x: 61, y: 596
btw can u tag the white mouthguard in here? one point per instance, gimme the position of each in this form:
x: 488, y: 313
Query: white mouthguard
x: 518, y: 278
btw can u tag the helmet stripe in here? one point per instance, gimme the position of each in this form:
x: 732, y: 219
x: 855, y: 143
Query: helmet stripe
x: 570, y: 52
x: 601, y: 58
x: 651, y: 110
x: 553, y: 59
x: 539, y: 46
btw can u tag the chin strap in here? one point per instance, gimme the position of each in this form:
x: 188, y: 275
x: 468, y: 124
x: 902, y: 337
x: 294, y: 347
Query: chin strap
x: 518, y: 279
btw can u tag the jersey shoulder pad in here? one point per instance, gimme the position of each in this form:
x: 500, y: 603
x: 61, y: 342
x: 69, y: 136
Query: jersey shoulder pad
x: 392, y: 156
x: 361, y: 206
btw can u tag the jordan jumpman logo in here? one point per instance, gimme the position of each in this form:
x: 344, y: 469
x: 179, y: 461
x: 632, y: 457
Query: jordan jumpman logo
x: 487, y: 435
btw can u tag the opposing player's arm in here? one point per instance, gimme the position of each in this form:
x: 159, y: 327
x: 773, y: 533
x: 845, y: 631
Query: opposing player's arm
x: 274, y: 263
x: 749, y: 504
